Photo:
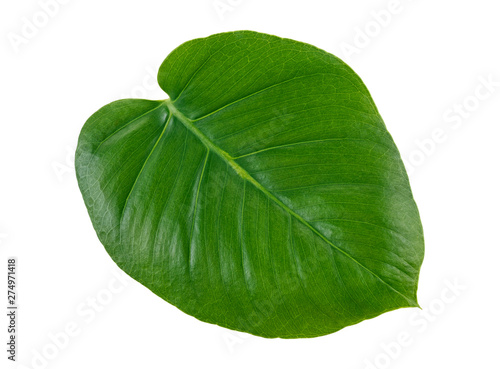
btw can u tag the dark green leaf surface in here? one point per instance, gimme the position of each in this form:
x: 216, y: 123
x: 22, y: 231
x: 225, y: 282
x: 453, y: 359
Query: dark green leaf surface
x: 266, y: 195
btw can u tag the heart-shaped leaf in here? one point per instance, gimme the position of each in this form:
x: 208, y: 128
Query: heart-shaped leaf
x: 265, y: 195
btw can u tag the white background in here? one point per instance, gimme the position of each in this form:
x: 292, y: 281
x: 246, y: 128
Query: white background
x: 421, y: 64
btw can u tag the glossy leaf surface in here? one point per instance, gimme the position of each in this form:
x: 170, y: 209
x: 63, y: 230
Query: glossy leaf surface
x: 266, y: 195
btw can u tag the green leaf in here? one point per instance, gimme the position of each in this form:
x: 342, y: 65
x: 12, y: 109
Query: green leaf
x: 266, y: 195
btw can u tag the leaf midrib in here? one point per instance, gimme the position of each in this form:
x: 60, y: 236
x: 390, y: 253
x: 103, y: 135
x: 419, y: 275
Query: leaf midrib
x: 188, y: 123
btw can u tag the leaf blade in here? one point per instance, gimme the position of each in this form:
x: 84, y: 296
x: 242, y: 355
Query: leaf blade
x: 277, y: 215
